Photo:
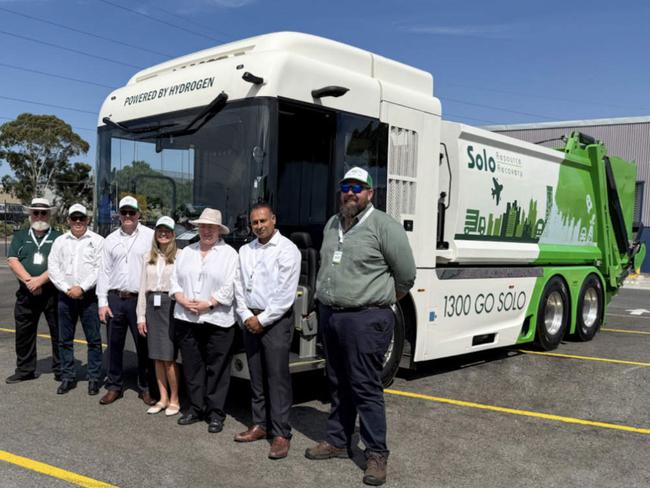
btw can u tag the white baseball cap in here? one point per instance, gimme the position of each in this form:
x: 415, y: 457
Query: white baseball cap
x: 129, y: 201
x: 77, y: 208
x: 166, y: 222
x: 358, y: 174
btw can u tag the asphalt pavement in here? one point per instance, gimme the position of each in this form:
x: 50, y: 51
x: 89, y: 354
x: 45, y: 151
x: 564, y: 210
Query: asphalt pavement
x: 501, y: 418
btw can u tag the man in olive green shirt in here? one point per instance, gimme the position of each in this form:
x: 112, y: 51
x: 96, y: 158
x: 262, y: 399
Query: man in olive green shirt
x: 36, y: 295
x: 366, y: 266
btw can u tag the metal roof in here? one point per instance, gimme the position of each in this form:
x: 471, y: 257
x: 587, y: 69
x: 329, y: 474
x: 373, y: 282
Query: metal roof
x: 570, y: 123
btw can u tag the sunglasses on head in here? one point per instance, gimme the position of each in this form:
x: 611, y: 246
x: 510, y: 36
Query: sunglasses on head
x: 78, y: 218
x: 355, y: 187
x: 41, y: 213
x: 127, y: 213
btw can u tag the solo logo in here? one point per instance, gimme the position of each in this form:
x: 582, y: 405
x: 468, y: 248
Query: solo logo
x: 481, y: 161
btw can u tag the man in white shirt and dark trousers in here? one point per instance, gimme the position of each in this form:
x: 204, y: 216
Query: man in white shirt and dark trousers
x: 270, y: 270
x: 117, y: 293
x: 73, y: 267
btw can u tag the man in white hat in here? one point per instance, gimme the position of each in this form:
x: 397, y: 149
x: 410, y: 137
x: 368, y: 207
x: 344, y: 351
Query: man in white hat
x: 27, y: 259
x: 118, y: 284
x: 73, y: 268
x: 366, y: 266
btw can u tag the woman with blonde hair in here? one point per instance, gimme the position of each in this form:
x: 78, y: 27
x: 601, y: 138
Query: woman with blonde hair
x: 155, y: 313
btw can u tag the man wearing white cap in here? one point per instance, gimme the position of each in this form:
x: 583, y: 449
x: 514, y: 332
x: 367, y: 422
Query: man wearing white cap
x: 366, y: 266
x: 117, y: 294
x: 73, y: 268
x: 27, y: 259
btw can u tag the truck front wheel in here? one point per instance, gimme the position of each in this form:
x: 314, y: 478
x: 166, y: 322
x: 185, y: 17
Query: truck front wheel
x: 394, y: 353
x: 590, y: 308
x: 552, y: 314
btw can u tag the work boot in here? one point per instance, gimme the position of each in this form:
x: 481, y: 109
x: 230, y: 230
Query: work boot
x: 325, y: 450
x: 375, y: 473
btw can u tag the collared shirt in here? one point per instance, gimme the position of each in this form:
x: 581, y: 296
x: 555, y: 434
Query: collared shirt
x: 155, y: 277
x: 122, y: 260
x: 23, y: 248
x: 373, y: 261
x: 269, y: 278
x: 75, y: 261
x: 205, y: 278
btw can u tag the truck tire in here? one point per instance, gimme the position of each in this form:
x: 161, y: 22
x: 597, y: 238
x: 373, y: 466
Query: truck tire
x: 552, y: 314
x: 590, y: 308
x: 394, y: 353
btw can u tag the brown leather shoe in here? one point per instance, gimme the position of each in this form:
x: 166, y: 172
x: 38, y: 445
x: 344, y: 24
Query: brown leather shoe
x: 325, y: 450
x: 279, y: 448
x: 110, y: 397
x: 375, y: 473
x: 147, y: 398
x: 254, y: 433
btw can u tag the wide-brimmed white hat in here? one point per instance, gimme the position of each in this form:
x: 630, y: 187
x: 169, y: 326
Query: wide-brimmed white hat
x: 39, y: 204
x: 211, y: 216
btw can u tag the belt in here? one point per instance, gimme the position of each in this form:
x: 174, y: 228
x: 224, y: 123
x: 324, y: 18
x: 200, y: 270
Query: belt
x: 358, y: 309
x: 256, y: 311
x: 123, y: 294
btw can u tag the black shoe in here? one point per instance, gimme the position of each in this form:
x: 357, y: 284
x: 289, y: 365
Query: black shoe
x: 57, y: 376
x: 189, y: 418
x: 215, y: 425
x: 18, y: 377
x: 66, y: 386
x: 93, y: 387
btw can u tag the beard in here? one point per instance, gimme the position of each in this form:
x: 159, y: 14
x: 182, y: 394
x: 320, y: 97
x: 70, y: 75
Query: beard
x: 40, y: 225
x: 351, y: 208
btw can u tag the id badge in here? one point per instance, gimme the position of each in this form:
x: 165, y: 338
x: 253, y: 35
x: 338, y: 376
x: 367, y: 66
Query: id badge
x: 157, y: 300
x: 336, y: 257
x: 38, y: 258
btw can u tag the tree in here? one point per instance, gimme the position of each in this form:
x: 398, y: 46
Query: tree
x: 73, y: 184
x: 38, y: 149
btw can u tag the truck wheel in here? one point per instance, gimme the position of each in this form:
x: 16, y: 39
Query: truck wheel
x: 590, y: 308
x: 552, y: 314
x: 394, y: 352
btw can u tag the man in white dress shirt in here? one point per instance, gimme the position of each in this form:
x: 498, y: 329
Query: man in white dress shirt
x: 270, y: 270
x: 73, y: 267
x: 117, y: 293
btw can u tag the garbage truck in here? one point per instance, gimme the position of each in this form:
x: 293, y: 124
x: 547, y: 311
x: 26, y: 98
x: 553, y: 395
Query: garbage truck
x: 514, y: 242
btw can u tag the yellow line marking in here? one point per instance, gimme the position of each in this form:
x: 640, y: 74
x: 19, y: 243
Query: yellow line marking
x: 626, y: 331
x: 523, y: 413
x: 53, y: 471
x: 586, y: 358
x: 45, y: 336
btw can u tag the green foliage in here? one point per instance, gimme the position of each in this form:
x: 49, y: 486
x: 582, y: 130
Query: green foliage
x: 154, y: 193
x: 38, y: 149
x: 73, y: 184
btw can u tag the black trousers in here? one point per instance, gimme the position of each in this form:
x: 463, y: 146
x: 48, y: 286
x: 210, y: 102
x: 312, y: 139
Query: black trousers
x: 268, y: 363
x: 207, y: 352
x: 125, y: 319
x: 355, y: 344
x: 27, y: 312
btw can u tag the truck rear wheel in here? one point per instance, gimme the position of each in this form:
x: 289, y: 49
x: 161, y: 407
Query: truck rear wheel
x: 394, y: 353
x: 552, y: 314
x: 590, y: 308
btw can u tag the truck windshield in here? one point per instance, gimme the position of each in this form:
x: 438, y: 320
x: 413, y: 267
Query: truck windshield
x: 219, y: 166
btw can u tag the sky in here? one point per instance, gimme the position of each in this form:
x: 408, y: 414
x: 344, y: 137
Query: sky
x: 493, y: 62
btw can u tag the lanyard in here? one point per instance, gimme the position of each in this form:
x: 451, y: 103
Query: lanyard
x: 361, y: 221
x: 133, y: 237
x: 36, y: 243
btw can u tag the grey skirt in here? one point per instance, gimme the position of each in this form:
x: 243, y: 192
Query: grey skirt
x: 159, y: 338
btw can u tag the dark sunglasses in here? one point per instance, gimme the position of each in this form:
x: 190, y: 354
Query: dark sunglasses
x: 41, y: 213
x: 78, y: 218
x: 127, y: 213
x: 356, y: 188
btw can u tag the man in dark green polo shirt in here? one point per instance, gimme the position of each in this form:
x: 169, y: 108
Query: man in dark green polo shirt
x: 366, y: 266
x: 36, y: 295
